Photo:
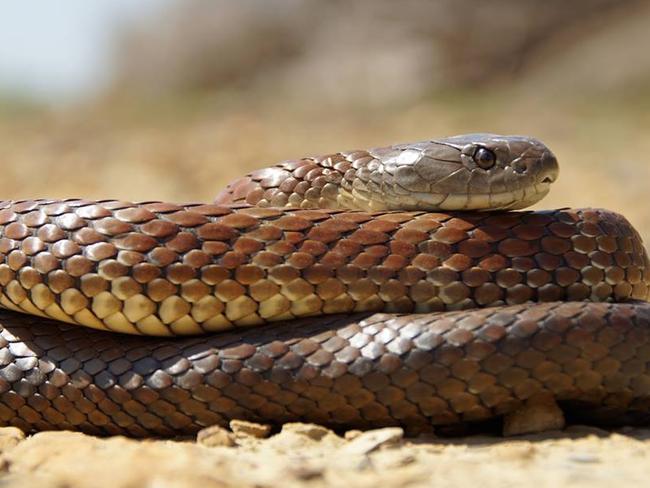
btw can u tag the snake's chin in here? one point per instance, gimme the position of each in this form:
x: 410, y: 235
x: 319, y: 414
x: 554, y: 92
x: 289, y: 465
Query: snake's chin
x: 532, y: 196
x: 482, y: 202
x: 392, y: 199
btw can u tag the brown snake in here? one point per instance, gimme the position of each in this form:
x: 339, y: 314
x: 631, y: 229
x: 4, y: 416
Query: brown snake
x: 320, y: 275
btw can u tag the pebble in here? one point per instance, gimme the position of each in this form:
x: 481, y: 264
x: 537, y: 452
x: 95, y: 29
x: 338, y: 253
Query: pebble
x: 243, y: 428
x: 584, y: 458
x: 352, y: 434
x: 10, y: 437
x: 215, y: 436
x: 313, y: 431
x: 373, y: 440
x: 306, y: 473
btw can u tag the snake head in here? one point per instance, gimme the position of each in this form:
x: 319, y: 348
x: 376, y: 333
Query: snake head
x: 468, y: 172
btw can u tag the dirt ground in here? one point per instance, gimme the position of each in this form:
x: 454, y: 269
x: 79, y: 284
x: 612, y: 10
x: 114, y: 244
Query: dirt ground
x: 304, y: 455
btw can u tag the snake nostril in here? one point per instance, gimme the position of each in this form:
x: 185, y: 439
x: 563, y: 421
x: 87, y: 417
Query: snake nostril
x: 550, y: 169
x: 520, y: 167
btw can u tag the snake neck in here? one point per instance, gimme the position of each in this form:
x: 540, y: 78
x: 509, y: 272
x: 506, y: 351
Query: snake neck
x: 330, y: 181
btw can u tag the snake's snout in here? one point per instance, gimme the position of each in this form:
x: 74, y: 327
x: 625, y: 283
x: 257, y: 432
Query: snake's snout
x: 549, y: 169
x: 542, y: 169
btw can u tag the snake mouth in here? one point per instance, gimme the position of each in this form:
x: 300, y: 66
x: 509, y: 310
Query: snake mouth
x: 548, y: 180
x: 507, y: 200
x: 432, y: 202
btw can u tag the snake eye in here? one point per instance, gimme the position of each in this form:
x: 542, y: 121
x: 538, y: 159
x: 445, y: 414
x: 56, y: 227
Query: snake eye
x: 485, y: 158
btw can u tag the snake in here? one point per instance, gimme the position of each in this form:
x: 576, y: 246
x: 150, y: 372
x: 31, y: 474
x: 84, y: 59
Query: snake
x: 395, y: 286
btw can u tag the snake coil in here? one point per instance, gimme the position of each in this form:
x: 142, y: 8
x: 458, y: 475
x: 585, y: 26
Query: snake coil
x: 420, y: 308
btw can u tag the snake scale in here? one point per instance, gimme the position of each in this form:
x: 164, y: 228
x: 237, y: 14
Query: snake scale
x: 430, y: 303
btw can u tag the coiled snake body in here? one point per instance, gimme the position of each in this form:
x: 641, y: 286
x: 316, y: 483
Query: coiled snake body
x: 314, y: 307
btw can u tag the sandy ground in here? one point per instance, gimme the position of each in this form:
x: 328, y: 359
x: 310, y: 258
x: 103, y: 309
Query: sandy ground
x: 307, y: 455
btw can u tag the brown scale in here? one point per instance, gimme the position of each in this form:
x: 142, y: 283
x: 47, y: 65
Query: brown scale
x: 417, y: 371
x: 306, y: 183
x: 165, y: 269
x: 160, y: 269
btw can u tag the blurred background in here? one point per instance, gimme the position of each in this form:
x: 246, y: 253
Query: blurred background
x: 171, y: 99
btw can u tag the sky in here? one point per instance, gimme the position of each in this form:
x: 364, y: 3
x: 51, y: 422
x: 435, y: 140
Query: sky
x: 62, y: 50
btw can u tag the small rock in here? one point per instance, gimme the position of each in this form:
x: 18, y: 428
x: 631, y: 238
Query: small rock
x: 362, y: 464
x: 313, y: 431
x: 516, y: 452
x: 394, y: 459
x: 215, y: 436
x: 10, y: 437
x: 242, y: 428
x: 584, y: 458
x: 352, y: 434
x: 306, y: 473
x: 372, y: 440
x: 534, y: 417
